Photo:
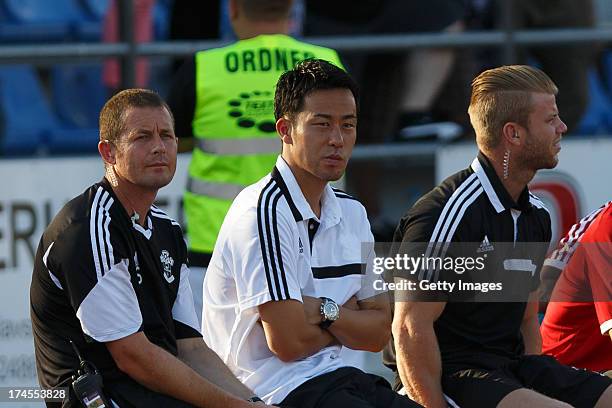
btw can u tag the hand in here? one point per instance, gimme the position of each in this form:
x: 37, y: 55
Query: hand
x: 352, y: 303
x: 312, y: 309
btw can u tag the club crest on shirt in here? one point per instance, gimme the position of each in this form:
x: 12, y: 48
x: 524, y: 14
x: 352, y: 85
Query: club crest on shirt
x: 167, y: 262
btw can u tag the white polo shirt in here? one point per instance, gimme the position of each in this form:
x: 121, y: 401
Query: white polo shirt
x: 263, y: 253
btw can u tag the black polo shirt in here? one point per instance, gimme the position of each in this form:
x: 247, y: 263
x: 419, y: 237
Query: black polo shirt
x: 473, y: 207
x: 99, y: 277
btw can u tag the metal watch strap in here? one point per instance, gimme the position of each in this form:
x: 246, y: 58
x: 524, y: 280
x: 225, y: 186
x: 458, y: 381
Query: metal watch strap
x: 325, y: 324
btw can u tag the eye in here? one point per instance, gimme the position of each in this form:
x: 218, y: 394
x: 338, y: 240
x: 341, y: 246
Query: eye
x: 349, y: 125
x: 324, y: 124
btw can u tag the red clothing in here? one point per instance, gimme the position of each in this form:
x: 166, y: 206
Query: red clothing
x: 578, y: 322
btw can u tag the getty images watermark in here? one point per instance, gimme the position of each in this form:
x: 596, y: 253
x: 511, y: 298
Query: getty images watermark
x: 427, y: 268
x: 476, y: 271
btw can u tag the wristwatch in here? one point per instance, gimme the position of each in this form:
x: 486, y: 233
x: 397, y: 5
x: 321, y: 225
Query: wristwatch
x: 330, y: 312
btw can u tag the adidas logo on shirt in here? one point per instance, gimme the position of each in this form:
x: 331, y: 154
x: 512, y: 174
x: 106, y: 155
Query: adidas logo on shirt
x: 485, y: 245
x: 301, y: 246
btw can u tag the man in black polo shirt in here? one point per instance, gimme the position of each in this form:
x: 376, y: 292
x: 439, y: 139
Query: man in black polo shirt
x: 110, y: 275
x: 487, y: 354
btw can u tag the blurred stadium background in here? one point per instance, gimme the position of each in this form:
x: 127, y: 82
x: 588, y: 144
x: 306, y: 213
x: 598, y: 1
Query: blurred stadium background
x: 55, y: 75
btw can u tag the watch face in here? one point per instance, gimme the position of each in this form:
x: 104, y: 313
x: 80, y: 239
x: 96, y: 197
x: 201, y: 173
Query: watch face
x: 331, y: 311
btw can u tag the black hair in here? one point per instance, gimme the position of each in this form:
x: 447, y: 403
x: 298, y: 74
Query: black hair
x: 309, y: 75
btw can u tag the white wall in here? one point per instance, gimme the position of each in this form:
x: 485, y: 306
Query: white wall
x: 584, y: 170
x: 31, y: 193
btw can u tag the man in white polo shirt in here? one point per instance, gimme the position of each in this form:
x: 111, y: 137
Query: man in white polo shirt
x: 284, y: 291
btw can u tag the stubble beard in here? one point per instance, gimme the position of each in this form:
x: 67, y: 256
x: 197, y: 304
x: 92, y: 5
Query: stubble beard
x: 538, y: 157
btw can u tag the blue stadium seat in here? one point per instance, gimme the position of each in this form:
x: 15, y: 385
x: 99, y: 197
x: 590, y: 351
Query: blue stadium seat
x: 44, y: 20
x: 597, y: 118
x: 96, y: 9
x: 91, y: 27
x: 606, y: 69
x: 73, y: 141
x: 26, y: 117
x: 161, y: 20
x: 78, y: 105
x: 28, y: 124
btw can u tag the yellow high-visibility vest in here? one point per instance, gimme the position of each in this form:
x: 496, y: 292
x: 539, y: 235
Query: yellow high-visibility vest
x: 234, y: 126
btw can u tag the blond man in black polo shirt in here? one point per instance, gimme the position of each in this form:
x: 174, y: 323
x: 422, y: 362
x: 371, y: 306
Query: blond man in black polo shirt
x: 487, y: 354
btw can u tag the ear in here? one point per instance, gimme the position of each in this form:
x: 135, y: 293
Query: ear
x: 283, y: 128
x: 512, y: 134
x: 107, y: 151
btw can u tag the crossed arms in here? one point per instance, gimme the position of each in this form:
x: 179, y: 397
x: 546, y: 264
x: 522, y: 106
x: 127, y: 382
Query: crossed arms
x: 292, y: 328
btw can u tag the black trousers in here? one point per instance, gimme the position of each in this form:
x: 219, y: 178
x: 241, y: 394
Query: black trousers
x: 480, y: 387
x: 346, y: 387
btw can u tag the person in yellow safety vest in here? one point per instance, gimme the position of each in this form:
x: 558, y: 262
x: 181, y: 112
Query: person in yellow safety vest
x: 223, y: 100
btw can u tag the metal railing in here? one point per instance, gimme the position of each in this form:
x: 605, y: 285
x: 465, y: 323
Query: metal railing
x: 508, y: 39
x: 51, y: 53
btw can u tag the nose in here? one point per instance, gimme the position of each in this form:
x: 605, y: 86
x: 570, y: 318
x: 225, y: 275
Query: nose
x: 336, y: 138
x: 562, y: 127
x: 158, y: 144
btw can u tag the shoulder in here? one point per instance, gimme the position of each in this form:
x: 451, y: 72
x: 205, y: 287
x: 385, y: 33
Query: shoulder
x: 542, y: 215
x: 348, y: 201
x: 94, y: 203
x: 538, y: 203
x: 354, y: 211
x: 455, y: 191
x: 598, y: 225
x: 163, y: 218
x: 322, y: 52
x: 260, y: 205
x: 87, y: 226
x: 443, y: 207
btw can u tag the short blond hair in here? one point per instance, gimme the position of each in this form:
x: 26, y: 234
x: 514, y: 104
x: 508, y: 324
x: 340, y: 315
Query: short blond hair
x: 501, y: 95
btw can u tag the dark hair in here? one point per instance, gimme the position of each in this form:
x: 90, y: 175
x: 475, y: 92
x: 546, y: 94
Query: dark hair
x: 308, y: 76
x: 112, y: 115
x: 265, y: 10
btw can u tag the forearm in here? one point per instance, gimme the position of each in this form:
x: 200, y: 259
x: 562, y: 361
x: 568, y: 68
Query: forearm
x: 419, y: 366
x: 313, y: 340
x: 301, y: 341
x: 208, y: 365
x: 362, y: 329
x: 160, y: 371
x: 530, y: 329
